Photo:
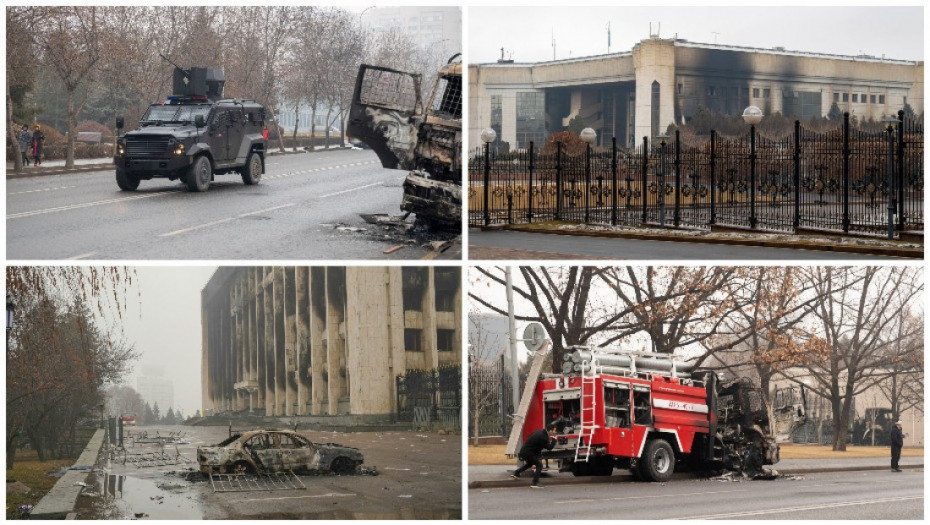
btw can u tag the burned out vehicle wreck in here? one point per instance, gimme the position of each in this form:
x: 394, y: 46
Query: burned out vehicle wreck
x: 269, y: 451
x: 424, y: 137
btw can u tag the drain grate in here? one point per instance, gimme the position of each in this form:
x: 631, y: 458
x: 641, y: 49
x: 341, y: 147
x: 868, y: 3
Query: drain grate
x: 252, y: 483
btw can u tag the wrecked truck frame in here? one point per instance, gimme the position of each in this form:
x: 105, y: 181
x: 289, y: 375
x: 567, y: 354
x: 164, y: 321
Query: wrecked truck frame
x: 389, y: 114
x: 269, y: 451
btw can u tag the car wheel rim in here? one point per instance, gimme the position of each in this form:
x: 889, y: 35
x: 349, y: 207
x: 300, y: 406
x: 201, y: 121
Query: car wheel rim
x: 662, y: 461
x: 204, y: 172
x: 256, y: 169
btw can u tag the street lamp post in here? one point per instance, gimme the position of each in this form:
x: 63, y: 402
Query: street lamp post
x: 892, y: 205
x: 752, y: 116
x: 488, y: 136
x: 589, y: 136
x: 661, y: 185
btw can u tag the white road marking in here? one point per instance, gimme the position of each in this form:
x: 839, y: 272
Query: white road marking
x: 82, y: 256
x: 221, y: 221
x: 351, y: 190
x: 86, y: 205
x: 802, y: 508
x: 41, y: 189
x: 327, y: 495
x: 650, y: 497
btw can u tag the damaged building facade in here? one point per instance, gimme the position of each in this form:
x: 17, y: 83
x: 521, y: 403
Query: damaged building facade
x: 324, y: 341
x: 639, y: 93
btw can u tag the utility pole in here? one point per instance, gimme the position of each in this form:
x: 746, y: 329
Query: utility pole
x: 514, y: 378
x: 553, y: 44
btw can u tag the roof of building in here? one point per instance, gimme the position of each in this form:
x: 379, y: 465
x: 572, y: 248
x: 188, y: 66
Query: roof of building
x: 681, y: 42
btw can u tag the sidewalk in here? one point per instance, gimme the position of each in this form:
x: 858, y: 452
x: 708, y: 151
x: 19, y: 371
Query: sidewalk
x: 501, y: 473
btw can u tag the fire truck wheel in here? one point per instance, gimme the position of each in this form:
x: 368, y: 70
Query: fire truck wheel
x: 658, y: 461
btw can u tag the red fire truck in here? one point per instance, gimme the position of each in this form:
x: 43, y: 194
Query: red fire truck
x: 648, y: 412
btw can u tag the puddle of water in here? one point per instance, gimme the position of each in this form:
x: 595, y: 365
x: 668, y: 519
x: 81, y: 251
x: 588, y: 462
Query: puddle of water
x: 126, y: 497
x: 398, y: 514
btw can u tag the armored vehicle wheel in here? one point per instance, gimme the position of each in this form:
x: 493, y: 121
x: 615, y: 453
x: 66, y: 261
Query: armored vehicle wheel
x: 125, y: 181
x: 342, y: 465
x: 198, y: 175
x: 658, y: 461
x: 252, y: 172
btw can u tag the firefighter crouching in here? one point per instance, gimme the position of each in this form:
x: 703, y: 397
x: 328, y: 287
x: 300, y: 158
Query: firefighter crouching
x: 531, y: 453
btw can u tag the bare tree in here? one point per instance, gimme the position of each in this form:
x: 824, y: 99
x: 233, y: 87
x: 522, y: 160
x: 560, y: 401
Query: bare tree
x: 68, y: 39
x: 674, y: 306
x: 20, y: 68
x: 904, y: 386
x: 482, y: 360
x: 856, y: 312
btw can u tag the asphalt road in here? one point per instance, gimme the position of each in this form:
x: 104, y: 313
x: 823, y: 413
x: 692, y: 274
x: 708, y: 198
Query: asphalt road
x: 847, y: 495
x: 523, y: 245
x: 294, y: 213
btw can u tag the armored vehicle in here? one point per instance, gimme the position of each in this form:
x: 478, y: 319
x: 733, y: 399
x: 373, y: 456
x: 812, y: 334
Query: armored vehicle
x: 389, y: 115
x: 193, y: 135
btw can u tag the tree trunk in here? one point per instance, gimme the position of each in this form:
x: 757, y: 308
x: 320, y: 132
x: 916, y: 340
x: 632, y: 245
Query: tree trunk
x: 278, y: 128
x: 10, y: 451
x: 313, y: 127
x: 296, y: 123
x: 69, y: 160
x: 477, y: 432
x: 17, y: 152
x: 328, y: 113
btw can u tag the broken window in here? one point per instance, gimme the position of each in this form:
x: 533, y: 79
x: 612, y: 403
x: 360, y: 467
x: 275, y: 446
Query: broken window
x: 755, y: 92
x: 855, y: 97
x: 766, y: 93
x: 444, y: 340
x: 617, y: 405
x: 447, y: 285
x: 845, y: 97
x: 836, y: 97
x: 450, y: 103
x: 881, y: 99
x: 872, y: 99
x: 642, y: 407
x: 389, y: 89
x: 414, y: 286
x: 413, y: 339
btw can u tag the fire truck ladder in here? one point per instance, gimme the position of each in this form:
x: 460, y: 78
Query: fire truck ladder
x: 583, y: 447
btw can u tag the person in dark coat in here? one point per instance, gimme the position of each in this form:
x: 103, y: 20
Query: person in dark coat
x: 897, y: 442
x: 24, y: 139
x: 38, y: 137
x: 531, y: 453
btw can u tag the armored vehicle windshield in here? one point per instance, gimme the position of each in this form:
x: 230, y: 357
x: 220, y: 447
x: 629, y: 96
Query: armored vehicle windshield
x: 173, y: 113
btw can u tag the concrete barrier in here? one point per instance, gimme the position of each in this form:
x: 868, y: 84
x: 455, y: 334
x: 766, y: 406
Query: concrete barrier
x: 60, y: 501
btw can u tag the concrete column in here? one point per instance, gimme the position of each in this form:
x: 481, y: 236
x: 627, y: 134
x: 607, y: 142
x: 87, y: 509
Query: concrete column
x: 237, y: 346
x: 368, y: 356
x: 395, y: 319
x: 429, y: 320
x: 206, y: 383
x: 280, y: 384
x: 268, y: 347
x: 290, y: 339
x: 335, y: 317
x: 318, y: 345
x: 457, y: 313
x: 778, y: 102
x: 654, y: 61
x: 303, y: 340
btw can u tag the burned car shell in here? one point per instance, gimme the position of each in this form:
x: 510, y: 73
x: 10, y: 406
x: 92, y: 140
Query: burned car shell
x: 263, y: 451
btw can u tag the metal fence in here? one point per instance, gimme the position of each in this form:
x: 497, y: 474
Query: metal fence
x: 427, y: 396
x: 843, y: 180
x: 490, y: 399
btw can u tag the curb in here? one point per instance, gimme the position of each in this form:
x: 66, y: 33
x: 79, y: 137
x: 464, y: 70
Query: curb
x: 42, y: 172
x: 838, y: 248
x: 585, y: 480
x: 61, y: 499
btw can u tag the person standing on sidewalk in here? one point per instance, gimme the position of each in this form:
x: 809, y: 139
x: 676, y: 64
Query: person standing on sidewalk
x: 897, y: 442
x: 24, y: 139
x: 531, y: 453
x: 38, y: 137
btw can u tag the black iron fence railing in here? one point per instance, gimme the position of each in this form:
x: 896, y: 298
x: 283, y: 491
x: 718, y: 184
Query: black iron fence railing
x: 427, y: 396
x: 843, y: 180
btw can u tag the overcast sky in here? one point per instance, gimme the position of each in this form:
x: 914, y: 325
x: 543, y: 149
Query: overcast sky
x: 527, y: 32
x: 163, y: 321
